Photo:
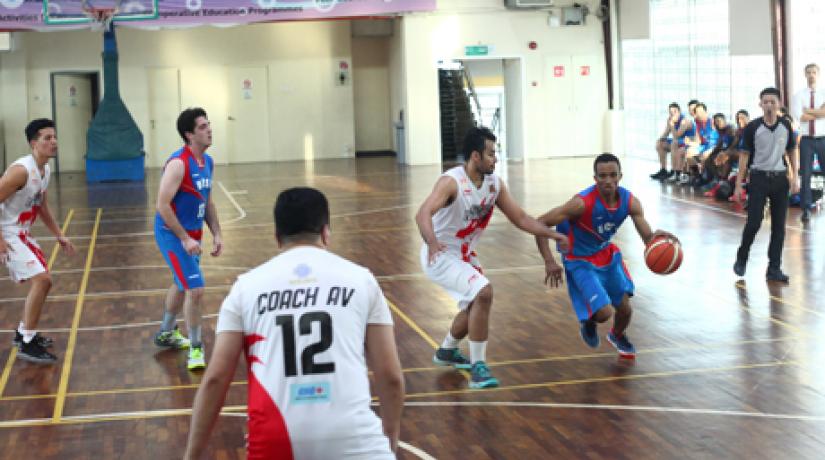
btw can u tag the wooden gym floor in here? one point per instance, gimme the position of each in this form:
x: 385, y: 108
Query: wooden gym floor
x: 725, y: 368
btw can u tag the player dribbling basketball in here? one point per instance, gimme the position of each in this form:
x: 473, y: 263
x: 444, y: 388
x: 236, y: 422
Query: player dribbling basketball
x: 596, y: 275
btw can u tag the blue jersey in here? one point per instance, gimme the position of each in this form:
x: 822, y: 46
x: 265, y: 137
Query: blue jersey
x: 189, y: 203
x: 707, y: 134
x: 676, y: 126
x: 590, y: 234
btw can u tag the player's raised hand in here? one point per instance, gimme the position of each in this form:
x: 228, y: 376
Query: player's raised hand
x: 192, y: 247
x: 433, y: 250
x: 66, y: 245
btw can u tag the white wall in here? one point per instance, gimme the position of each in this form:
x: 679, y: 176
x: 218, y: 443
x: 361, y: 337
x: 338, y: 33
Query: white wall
x: 428, y: 37
x: 750, y: 27
x: 371, y: 91
x: 301, y: 57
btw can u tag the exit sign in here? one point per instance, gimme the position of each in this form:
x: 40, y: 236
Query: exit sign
x: 476, y: 50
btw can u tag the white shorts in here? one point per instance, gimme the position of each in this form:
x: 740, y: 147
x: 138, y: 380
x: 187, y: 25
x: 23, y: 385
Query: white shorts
x: 462, y: 280
x: 25, y: 260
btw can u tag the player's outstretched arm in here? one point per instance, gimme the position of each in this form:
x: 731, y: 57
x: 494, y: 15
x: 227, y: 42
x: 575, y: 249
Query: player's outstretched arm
x: 642, y: 226
x: 442, y: 195
x: 382, y: 359
x: 523, y: 221
x: 212, y: 391
x: 568, y: 211
x: 13, y: 180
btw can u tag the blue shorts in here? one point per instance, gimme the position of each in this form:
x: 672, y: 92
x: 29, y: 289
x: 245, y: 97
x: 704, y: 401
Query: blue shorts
x: 592, y: 288
x: 186, y: 269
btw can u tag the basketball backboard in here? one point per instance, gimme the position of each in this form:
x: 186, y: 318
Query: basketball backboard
x: 62, y: 12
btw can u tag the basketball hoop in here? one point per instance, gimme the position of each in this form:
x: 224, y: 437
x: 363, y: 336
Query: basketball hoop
x: 100, y: 18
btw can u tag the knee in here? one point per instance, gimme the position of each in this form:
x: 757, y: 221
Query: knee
x: 485, y: 296
x: 43, y: 281
x: 195, y: 295
x: 603, y: 314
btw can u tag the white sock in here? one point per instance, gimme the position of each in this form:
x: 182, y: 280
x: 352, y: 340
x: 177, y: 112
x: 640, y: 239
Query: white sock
x: 450, y: 342
x: 27, y: 335
x: 478, y: 351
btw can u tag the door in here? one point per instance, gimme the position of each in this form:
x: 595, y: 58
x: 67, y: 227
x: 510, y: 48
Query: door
x: 590, y: 103
x: 248, y: 119
x: 73, y: 107
x: 559, y: 114
x: 164, y: 108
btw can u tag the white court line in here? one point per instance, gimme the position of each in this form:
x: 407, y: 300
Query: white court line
x: 679, y: 410
x: 725, y: 211
x: 241, y: 212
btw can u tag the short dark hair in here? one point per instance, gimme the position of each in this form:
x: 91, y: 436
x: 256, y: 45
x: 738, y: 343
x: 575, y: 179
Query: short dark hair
x: 743, y: 112
x: 475, y: 139
x: 770, y: 90
x: 186, y: 121
x: 606, y: 158
x: 720, y: 115
x: 693, y: 101
x: 34, y: 127
x: 702, y: 105
x: 300, y: 214
x: 674, y: 105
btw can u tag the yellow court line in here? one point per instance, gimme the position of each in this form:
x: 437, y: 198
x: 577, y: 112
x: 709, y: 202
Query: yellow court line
x: 742, y: 287
x: 409, y: 370
x: 421, y: 332
x: 413, y: 325
x: 614, y: 378
x: 177, y: 412
x: 4, y: 378
x: 67, y: 359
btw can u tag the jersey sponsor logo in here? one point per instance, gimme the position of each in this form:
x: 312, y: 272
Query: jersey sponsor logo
x: 201, y: 183
x: 191, y: 277
x: 309, y: 393
x: 302, y: 270
x: 478, y: 212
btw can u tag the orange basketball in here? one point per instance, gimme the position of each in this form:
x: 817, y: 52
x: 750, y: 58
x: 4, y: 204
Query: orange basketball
x: 663, y: 256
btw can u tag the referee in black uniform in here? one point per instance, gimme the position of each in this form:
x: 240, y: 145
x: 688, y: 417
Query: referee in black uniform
x: 772, y: 165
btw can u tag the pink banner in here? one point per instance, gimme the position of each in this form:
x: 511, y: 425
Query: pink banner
x: 27, y: 14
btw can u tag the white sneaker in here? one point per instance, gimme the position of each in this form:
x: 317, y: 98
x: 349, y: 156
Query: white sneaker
x: 684, y: 178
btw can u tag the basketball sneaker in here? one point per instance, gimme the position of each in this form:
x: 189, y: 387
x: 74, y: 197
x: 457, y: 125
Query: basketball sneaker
x: 451, y: 357
x: 172, y: 339
x: 589, y: 334
x: 480, y: 376
x: 196, y: 359
x: 622, y: 345
x: 44, y: 342
x: 35, y: 353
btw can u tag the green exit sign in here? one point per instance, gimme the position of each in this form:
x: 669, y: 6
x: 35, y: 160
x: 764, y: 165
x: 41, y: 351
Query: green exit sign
x: 476, y: 50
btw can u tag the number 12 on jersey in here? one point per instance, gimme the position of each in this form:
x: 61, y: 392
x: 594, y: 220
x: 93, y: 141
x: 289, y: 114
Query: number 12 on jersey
x: 308, y: 364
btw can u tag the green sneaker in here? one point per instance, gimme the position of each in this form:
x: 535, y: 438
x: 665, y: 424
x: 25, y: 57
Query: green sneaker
x: 480, y: 376
x: 197, y: 360
x: 451, y: 357
x: 172, y: 339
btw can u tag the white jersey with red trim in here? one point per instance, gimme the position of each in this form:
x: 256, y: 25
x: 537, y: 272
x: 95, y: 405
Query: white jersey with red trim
x: 19, y: 211
x: 460, y: 224
x: 304, y: 316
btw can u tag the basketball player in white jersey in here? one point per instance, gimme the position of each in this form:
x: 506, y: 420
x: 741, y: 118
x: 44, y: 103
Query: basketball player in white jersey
x: 451, y: 221
x: 22, y: 200
x: 308, y: 322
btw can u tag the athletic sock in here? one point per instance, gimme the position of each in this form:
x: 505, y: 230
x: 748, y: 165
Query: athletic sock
x: 478, y: 350
x: 450, y: 342
x: 168, y: 322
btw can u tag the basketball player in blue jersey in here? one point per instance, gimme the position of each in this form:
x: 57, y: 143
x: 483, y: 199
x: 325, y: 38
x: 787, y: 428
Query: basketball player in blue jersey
x: 184, y: 203
x: 596, y: 275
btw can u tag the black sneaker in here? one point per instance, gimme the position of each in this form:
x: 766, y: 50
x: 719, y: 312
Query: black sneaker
x: 775, y: 274
x: 739, y: 268
x: 661, y: 174
x: 35, y: 353
x: 44, y: 342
